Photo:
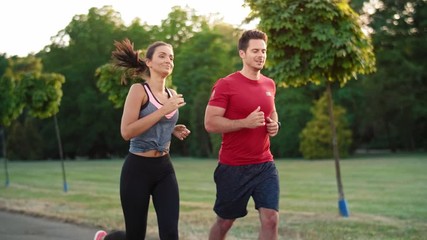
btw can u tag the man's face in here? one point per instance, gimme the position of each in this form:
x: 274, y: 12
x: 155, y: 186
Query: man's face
x: 255, y: 55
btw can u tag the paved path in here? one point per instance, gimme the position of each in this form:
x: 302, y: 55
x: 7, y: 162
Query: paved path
x: 14, y: 226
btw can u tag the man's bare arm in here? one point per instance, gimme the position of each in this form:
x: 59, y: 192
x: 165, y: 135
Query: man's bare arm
x: 215, y: 122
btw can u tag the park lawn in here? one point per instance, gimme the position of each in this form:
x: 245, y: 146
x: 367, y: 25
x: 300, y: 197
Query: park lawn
x: 386, y: 196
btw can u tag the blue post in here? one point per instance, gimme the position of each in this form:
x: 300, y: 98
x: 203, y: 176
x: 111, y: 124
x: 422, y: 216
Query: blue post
x: 342, y: 206
x: 64, y: 176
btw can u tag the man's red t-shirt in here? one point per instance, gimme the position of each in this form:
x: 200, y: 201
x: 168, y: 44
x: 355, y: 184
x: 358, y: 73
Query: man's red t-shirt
x: 240, y: 96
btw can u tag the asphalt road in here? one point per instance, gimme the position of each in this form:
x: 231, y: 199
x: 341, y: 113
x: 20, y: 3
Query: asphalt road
x: 14, y: 226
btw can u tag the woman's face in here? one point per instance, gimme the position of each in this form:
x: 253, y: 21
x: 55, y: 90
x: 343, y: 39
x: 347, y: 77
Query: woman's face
x: 162, y: 61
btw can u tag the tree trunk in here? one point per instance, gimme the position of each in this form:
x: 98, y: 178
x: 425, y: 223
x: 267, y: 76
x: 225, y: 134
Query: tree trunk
x: 61, y: 154
x: 341, y: 200
x: 6, y: 170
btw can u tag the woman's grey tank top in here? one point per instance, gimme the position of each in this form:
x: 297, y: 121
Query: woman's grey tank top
x: 157, y: 137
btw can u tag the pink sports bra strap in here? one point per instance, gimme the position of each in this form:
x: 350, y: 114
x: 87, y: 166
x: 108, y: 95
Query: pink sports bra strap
x: 154, y: 101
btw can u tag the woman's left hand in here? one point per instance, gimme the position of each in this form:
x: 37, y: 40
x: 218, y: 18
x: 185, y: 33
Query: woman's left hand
x: 181, y: 132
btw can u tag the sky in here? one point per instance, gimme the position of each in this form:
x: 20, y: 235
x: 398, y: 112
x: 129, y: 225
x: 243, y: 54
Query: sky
x: 26, y: 26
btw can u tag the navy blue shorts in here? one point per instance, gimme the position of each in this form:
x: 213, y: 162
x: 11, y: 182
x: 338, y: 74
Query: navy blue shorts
x: 236, y: 184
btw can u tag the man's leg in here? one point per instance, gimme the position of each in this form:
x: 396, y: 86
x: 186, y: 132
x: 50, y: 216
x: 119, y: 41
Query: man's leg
x: 266, y: 198
x: 220, y: 228
x: 269, y: 224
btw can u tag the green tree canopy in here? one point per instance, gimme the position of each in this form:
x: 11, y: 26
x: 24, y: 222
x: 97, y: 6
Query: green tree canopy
x: 24, y: 85
x: 316, y: 41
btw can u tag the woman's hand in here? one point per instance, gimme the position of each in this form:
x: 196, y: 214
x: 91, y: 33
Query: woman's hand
x: 173, y: 103
x: 181, y: 132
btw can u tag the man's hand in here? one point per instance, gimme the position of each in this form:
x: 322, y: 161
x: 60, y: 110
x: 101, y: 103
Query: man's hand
x: 272, y: 127
x: 255, y: 119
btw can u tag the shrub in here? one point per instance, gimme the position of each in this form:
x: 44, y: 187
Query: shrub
x: 316, y: 137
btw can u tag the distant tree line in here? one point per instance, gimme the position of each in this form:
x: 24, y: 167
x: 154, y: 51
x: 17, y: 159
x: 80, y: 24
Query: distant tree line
x: 384, y: 110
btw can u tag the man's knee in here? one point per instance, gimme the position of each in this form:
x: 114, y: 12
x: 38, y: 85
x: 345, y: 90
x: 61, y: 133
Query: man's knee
x: 269, y: 218
x: 225, y: 224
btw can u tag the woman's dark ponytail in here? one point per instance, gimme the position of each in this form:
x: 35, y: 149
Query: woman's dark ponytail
x: 124, y: 56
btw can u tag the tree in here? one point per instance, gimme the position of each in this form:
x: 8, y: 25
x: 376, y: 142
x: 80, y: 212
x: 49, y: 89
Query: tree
x: 26, y: 86
x: 108, y: 82
x: 315, y: 41
x: 179, y: 26
x: 24, y: 141
x: 91, y: 120
x: 202, y: 60
x: 293, y: 107
x: 10, y: 106
x: 395, y: 119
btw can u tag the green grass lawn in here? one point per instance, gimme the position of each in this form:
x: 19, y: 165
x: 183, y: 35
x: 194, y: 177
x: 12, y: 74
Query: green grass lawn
x: 386, y: 196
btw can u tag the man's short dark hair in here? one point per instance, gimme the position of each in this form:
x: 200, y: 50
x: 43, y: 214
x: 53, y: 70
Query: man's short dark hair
x: 248, y: 35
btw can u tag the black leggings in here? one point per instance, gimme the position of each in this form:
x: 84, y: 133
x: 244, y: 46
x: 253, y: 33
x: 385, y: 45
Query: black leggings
x: 141, y: 178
